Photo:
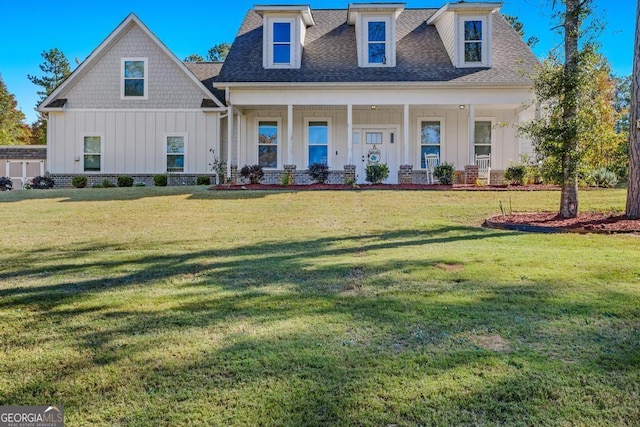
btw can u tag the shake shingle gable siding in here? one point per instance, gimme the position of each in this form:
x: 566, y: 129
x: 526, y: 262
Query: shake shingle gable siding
x: 330, y: 54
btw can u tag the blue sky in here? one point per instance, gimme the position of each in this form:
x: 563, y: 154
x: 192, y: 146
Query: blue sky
x: 77, y: 27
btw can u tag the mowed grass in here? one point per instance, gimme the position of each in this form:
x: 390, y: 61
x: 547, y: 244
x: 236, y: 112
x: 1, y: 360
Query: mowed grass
x: 183, y: 306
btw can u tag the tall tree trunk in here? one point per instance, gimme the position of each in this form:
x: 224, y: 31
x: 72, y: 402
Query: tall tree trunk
x: 633, y: 189
x: 569, y: 196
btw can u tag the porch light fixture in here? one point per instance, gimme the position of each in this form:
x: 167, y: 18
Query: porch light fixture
x: 461, y: 106
x: 373, y: 107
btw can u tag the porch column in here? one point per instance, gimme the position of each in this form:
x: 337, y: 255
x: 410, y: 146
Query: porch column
x: 229, y: 139
x: 405, y: 135
x: 472, y: 131
x: 349, y: 134
x: 289, y: 134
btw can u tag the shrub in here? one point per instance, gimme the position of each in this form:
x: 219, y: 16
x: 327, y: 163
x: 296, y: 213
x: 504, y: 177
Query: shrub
x: 602, y: 178
x: 376, y: 173
x: 125, y: 181
x: 42, y: 183
x: 107, y: 184
x: 203, y: 180
x: 444, y: 173
x: 319, y: 172
x: 79, y: 181
x: 5, y: 184
x: 286, y: 178
x: 96, y: 185
x: 139, y: 184
x: 253, y: 173
x: 516, y: 174
x: 160, y: 180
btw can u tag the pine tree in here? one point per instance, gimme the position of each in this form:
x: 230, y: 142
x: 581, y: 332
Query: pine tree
x: 55, y: 68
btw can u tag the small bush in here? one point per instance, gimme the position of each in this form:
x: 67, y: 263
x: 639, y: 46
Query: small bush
x: 5, y: 184
x: 203, y: 180
x: 96, y: 185
x: 125, y: 181
x: 376, y: 173
x: 139, y: 184
x: 107, y: 184
x: 602, y: 178
x: 286, y: 178
x: 42, y: 183
x: 160, y: 180
x: 79, y: 181
x: 516, y: 174
x: 444, y: 173
x: 319, y: 172
x: 253, y: 173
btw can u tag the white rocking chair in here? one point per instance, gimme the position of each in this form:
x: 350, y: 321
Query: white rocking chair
x: 430, y: 163
x: 483, y: 161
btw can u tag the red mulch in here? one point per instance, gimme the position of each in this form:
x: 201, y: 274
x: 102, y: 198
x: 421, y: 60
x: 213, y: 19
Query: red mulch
x: 587, y: 222
x: 314, y: 187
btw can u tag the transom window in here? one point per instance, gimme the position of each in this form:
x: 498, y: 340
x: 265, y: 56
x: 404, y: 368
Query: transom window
x: 268, y: 144
x: 473, y: 41
x: 318, y: 134
x: 92, y: 149
x: 430, y: 138
x: 482, y: 138
x: 134, y: 78
x: 175, y: 153
x: 281, y: 42
x: 377, y: 42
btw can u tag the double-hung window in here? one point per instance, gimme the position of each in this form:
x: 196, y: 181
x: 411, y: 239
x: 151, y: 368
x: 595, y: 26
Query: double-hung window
x: 175, y: 153
x: 268, y: 144
x: 134, y: 78
x: 281, y: 43
x: 318, y: 137
x: 92, y: 150
x: 430, y: 139
x: 474, y: 41
x: 482, y: 138
x: 377, y: 42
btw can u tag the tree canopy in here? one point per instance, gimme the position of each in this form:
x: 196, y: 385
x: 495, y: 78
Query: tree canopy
x: 218, y: 52
x: 13, y: 130
x: 55, y: 68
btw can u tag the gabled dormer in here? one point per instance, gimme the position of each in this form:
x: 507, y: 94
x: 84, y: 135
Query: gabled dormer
x: 375, y: 32
x: 283, y: 32
x: 466, y: 30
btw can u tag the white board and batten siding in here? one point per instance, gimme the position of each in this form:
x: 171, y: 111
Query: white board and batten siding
x: 507, y: 146
x: 133, y: 141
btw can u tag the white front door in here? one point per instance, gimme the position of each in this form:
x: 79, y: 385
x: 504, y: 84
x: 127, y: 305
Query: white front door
x: 376, y: 144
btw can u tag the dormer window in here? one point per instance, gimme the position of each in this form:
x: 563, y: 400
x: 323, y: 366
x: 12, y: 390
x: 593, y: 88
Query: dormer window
x: 473, y: 50
x: 377, y: 41
x: 283, y: 32
x: 465, y: 29
x: 375, y: 32
x: 281, y: 43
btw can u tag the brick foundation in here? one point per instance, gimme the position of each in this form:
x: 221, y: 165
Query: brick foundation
x: 497, y: 177
x: 405, y: 174
x: 349, y: 174
x: 64, y: 180
x: 470, y: 174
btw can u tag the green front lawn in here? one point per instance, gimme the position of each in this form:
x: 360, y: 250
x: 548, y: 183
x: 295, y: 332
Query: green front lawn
x: 182, y: 306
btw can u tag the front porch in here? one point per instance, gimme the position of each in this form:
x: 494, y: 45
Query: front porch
x: 291, y: 136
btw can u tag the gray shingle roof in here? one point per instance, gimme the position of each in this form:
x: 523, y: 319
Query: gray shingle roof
x: 330, y: 54
x: 207, y: 72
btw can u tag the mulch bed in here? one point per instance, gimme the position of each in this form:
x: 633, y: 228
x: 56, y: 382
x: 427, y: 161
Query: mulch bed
x: 551, y: 222
x: 316, y: 187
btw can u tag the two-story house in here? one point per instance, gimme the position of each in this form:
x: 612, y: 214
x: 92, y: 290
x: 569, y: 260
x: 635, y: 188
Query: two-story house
x: 376, y: 82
